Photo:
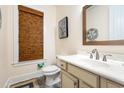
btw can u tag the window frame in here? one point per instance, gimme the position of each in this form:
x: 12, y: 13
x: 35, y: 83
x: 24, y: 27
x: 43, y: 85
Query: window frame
x: 15, y: 30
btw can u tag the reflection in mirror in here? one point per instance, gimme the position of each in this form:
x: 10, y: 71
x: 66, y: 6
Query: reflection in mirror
x: 104, y: 23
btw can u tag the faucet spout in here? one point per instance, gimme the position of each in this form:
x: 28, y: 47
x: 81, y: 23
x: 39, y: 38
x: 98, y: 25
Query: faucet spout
x: 96, y: 53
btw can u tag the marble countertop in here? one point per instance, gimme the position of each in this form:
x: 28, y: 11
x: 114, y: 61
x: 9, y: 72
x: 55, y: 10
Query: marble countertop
x: 112, y: 70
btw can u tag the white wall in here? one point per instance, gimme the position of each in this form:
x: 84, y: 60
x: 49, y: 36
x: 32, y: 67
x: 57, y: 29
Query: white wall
x: 49, y: 43
x: 3, y: 63
x: 74, y: 42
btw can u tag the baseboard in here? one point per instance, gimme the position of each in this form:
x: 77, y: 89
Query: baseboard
x: 13, y: 80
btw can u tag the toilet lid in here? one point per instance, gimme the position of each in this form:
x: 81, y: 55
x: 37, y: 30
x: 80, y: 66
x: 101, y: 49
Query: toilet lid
x: 51, y: 68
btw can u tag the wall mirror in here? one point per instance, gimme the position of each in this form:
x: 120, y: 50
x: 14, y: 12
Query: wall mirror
x: 103, y: 25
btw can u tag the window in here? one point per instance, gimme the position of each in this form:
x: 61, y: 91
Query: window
x: 30, y: 34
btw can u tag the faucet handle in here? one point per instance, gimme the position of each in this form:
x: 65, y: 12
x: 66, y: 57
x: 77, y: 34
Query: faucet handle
x: 105, y: 57
x: 93, y: 51
x: 91, y: 55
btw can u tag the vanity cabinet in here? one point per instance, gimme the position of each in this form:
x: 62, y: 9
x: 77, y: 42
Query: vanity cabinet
x: 68, y: 81
x: 73, y: 77
x: 109, y: 84
x: 89, y: 78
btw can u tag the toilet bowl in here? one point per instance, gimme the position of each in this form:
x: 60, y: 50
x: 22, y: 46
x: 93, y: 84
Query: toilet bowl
x: 52, y: 75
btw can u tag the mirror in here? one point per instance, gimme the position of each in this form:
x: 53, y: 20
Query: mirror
x: 103, y: 25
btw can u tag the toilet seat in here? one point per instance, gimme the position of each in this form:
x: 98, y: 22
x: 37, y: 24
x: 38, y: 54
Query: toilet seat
x: 50, y: 70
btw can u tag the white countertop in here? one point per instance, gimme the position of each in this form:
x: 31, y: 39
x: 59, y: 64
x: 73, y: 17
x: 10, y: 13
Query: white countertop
x: 113, y: 70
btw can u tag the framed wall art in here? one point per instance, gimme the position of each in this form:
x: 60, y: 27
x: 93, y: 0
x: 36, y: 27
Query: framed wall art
x: 63, y: 28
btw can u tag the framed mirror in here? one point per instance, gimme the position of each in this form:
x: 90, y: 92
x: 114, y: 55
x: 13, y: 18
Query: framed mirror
x: 103, y: 25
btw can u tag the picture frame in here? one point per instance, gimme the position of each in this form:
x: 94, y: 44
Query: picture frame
x: 63, y: 28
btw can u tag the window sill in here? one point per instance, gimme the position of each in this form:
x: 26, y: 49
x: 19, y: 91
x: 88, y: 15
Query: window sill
x: 24, y: 63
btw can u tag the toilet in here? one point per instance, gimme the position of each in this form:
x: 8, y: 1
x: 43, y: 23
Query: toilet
x: 52, y: 74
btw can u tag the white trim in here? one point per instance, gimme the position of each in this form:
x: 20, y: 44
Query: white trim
x: 15, y: 34
x: 15, y: 30
x: 30, y: 62
x: 24, y: 77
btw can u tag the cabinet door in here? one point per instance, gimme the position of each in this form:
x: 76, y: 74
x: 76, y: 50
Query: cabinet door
x: 68, y: 81
x: 109, y: 84
x: 86, y: 76
x: 83, y: 84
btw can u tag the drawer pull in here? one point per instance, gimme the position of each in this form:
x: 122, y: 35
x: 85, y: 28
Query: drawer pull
x: 62, y: 64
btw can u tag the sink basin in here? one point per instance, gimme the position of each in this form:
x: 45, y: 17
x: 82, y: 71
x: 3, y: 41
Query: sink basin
x: 122, y: 64
x: 100, y: 64
x: 96, y: 63
x: 77, y: 58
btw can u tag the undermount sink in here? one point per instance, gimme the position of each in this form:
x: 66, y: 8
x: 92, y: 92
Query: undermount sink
x: 101, y: 64
x: 122, y: 65
x: 87, y: 61
x: 96, y: 63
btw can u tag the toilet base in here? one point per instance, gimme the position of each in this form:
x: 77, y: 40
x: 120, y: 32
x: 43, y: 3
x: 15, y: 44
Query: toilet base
x: 52, y: 79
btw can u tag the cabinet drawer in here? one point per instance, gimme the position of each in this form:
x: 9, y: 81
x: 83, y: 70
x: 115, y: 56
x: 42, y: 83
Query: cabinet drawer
x: 62, y: 64
x: 90, y: 78
x: 83, y: 84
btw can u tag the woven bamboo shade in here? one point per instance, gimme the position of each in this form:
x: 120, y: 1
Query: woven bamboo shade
x: 30, y: 34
